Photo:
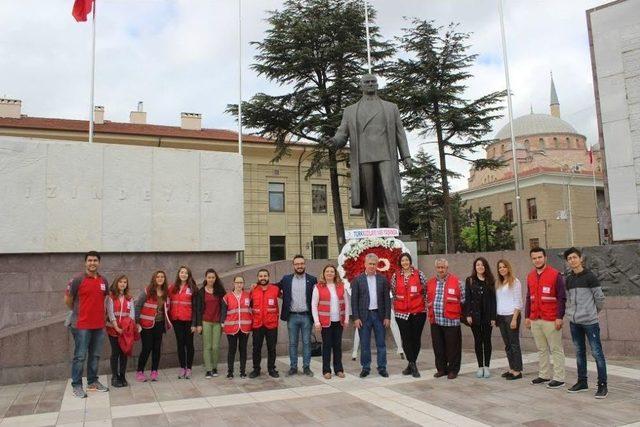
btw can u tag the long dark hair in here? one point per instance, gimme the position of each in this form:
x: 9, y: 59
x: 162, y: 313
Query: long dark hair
x: 190, y: 281
x: 488, y: 275
x: 152, y: 289
x: 113, y: 289
x: 218, y: 287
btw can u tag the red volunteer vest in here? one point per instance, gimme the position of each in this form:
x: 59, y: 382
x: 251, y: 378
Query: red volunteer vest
x: 542, y: 290
x: 149, y: 310
x: 264, y: 305
x: 324, y: 304
x: 408, y: 296
x: 180, y: 303
x: 238, y: 313
x: 120, y: 311
x: 451, y: 295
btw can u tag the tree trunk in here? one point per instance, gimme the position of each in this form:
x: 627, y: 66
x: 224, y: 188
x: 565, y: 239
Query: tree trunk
x: 335, y: 199
x: 446, y: 202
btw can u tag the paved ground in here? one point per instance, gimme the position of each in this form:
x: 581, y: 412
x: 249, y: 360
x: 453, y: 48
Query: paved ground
x: 303, y: 401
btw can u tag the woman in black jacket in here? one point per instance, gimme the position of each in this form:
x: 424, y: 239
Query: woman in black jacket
x: 480, y: 311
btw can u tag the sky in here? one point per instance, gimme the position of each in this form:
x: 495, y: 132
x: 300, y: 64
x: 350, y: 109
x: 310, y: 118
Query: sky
x: 183, y: 56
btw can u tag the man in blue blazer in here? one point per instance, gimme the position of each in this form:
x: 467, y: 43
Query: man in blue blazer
x: 371, y: 310
x: 297, y: 289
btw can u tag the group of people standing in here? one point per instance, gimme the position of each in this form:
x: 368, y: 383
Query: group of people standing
x: 482, y: 301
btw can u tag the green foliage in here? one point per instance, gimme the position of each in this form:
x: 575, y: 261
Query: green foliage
x: 494, y: 235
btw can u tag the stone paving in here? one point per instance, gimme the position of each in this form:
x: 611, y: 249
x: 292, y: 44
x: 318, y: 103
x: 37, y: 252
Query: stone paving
x: 305, y: 401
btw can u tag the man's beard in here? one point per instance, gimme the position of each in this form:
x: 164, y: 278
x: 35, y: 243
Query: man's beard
x: 264, y: 282
x: 299, y: 271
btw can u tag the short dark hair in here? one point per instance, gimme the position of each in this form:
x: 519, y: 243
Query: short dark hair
x: 405, y: 254
x: 297, y: 256
x: 572, y: 250
x: 537, y: 249
x: 92, y: 253
x: 261, y: 270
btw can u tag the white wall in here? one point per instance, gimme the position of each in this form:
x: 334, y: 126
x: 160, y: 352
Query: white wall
x: 616, y: 54
x: 72, y: 197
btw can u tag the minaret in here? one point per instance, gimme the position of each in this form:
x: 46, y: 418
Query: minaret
x: 554, y: 104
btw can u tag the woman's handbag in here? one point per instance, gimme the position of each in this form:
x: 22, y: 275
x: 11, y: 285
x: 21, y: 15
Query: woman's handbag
x: 316, y: 346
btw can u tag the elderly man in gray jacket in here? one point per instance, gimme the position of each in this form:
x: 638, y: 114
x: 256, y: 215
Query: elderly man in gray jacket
x: 585, y: 300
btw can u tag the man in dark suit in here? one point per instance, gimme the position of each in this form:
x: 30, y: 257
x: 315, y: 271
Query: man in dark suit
x: 371, y: 309
x: 297, y: 289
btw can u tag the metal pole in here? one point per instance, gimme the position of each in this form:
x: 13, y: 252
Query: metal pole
x: 366, y: 27
x: 595, y: 196
x: 93, y: 72
x: 513, y: 138
x: 570, y: 210
x: 446, y: 238
x: 240, y: 77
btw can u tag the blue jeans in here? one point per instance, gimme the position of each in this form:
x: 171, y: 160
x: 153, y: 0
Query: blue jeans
x: 374, y: 322
x: 297, y: 323
x: 88, y: 346
x: 592, y: 332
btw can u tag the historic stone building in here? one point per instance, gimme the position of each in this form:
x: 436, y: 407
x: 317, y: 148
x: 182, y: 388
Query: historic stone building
x: 558, y: 178
x: 284, y: 214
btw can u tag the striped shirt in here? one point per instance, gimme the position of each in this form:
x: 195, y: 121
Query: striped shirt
x: 438, y: 303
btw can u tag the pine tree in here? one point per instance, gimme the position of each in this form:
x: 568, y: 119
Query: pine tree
x: 315, y: 50
x: 428, y: 85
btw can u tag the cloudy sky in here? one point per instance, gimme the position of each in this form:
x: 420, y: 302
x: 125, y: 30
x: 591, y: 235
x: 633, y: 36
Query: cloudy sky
x: 182, y: 55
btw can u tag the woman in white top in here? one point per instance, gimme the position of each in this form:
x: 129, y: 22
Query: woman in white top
x: 509, y: 308
x: 330, y: 310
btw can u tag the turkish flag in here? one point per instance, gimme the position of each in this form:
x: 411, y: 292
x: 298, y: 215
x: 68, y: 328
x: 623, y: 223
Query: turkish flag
x: 81, y: 8
x: 590, y: 155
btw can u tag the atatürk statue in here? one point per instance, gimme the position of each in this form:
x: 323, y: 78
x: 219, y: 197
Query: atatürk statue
x: 374, y: 128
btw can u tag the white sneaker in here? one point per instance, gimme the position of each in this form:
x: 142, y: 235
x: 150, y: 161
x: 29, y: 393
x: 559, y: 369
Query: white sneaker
x: 480, y: 373
x: 487, y: 372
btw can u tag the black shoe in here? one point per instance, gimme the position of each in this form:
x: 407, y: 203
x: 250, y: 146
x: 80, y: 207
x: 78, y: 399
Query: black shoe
x: 254, y: 374
x: 243, y: 375
x: 414, y: 371
x: 229, y: 375
x: 578, y: 387
x: 383, y: 373
x: 555, y: 384
x: 123, y: 381
x: 292, y: 371
x: 506, y: 374
x: 307, y: 371
x: 514, y: 377
x: 114, y: 380
x: 208, y: 374
x: 602, y: 391
x: 364, y: 373
x: 214, y: 373
x: 539, y: 380
x: 407, y: 370
x: 274, y: 374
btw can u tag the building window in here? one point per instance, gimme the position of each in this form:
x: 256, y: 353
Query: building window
x: 534, y: 243
x: 320, y: 247
x: 508, y: 211
x: 319, y: 198
x: 277, y: 248
x: 532, y: 208
x: 276, y: 197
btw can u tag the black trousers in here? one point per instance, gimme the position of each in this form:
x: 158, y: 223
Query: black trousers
x: 118, y: 358
x: 411, y: 334
x: 482, y: 343
x: 511, y: 338
x: 151, y: 344
x: 237, y: 341
x: 271, y: 336
x: 447, y: 347
x: 184, y: 340
x: 332, y: 343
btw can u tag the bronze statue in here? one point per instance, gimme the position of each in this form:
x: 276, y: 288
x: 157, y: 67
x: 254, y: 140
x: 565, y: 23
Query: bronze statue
x: 376, y: 135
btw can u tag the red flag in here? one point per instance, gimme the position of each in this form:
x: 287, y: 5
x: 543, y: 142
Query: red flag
x: 590, y: 155
x: 81, y: 8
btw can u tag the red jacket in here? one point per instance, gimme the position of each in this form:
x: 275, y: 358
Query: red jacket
x: 409, y: 295
x: 324, y: 304
x: 452, y: 298
x: 545, y: 295
x: 128, y: 336
x: 181, y: 303
x: 238, y: 317
x: 264, y: 305
x: 120, y: 311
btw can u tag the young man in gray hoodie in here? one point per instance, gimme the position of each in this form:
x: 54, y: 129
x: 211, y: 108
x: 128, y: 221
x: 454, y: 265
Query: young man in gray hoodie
x: 585, y: 299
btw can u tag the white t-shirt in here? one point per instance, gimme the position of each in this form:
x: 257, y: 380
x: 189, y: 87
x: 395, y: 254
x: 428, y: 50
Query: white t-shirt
x: 509, y: 298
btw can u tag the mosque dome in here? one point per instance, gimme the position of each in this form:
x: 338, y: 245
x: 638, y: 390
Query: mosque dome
x: 534, y: 124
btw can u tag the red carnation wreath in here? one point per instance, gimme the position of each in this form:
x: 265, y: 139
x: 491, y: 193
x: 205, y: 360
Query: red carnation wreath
x: 351, y: 259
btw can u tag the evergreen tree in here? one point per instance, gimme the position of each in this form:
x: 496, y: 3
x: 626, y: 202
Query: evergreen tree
x: 428, y: 85
x: 317, y: 51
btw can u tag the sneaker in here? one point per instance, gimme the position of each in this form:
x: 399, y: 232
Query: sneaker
x: 274, y: 374
x: 229, y: 375
x: 602, y: 391
x: 97, y: 386
x: 480, y: 373
x: 487, y: 372
x: 181, y: 373
x: 539, y: 380
x: 141, y: 377
x: 292, y: 371
x: 187, y: 374
x: 243, y: 376
x: 307, y: 371
x: 154, y: 375
x: 254, y: 374
x: 209, y: 374
x: 578, y: 387
x: 555, y: 384
x: 79, y: 392
x: 214, y: 373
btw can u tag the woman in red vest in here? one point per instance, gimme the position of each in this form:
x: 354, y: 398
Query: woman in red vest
x: 208, y: 320
x: 152, y: 314
x: 409, y: 291
x: 330, y: 310
x: 235, y: 313
x: 184, y: 317
x: 119, y: 305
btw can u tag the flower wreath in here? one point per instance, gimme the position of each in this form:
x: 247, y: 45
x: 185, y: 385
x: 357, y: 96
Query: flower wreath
x: 351, y: 259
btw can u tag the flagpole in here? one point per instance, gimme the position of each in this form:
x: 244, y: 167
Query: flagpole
x: 93, y: 71
x: 595, y: 194
x: 366, y: 27
x: 240, y: 77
